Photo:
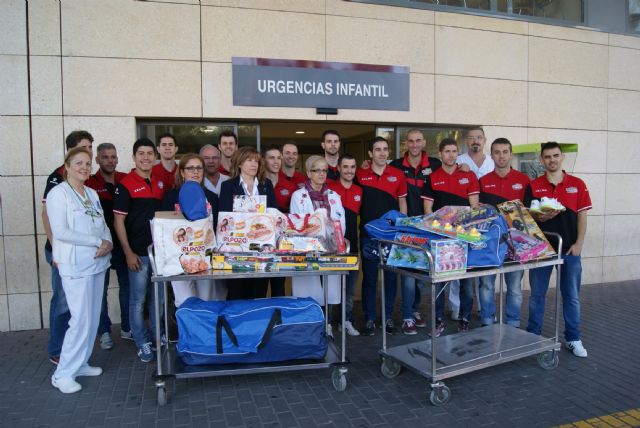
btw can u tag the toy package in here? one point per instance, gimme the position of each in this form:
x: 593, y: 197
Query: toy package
x: 517, y: 217
x: 450, y: 256
x: 251, y: 262
x: 523, y: 247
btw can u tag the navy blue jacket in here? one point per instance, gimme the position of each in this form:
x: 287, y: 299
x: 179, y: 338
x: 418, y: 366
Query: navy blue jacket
x: 232, y: 187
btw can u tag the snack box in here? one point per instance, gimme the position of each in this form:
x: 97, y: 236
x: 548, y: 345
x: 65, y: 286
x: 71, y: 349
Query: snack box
x: 250, y: 204
x: 277, y: 263
x: 518, y: 217
x: 240, y: 232
x: 450, y: 255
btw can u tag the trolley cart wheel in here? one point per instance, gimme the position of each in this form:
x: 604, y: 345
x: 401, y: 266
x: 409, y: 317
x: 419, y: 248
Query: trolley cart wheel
x: 390, y: 368
x: 339, y: 379
x: 549, y: 360
x: 440, y: 394
x: 162, y: 396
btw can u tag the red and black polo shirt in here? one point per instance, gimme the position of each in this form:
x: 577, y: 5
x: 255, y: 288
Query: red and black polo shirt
x: 55, y: 178
x: 283, y: 191
x: 351, y: 199
x: 573, y: 194
x: 297, y: 179
x: 415, y: 179
x: 380, y: 193
x: 332, y: 172
x: 223, y: 170
x: 105, y: 191
x: 495, y: 190
x: 167, y: 178
x: 138, y: 199
x: 450, y: 189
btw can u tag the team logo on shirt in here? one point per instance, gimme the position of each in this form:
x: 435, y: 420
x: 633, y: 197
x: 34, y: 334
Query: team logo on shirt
x: 284, y: 192
x: 161, y: 184
x: 54, y: 180
x: 332, y: 201
x: 139, y: 189
x: 426, y: 171
x: 438, y: 183
x: 489, y: 186
x: 572, y: 189
x: 392, y: 179
x: 366, y: 179
x: 517, y: 186
x: 463, y: 181
x: 356, y: 198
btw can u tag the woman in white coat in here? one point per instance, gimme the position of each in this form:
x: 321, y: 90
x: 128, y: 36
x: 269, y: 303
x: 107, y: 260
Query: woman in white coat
x: 81, y: 249
x: 314, y: 195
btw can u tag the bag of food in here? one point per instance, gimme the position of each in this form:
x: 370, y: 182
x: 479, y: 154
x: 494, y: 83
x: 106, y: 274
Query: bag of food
x: 181, y: 246
x: 238, y: 232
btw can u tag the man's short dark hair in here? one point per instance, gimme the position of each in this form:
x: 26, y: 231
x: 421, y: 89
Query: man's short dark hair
x: 330, y: 132
x: 228, y: 134
x: 474, y: 128
x: 502, y: 141
x: 376, y: 140
x: 74, y: 138
x: 143, y: 142
x: 550, y: 145
x: 105, y: 146
x: 167, y: 135
x: 345, y: 156
x: 446, y: 142
x: 269, y: 148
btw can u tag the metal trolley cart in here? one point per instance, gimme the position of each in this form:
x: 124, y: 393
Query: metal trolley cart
x: 169, y: 364
x: 461, y: 353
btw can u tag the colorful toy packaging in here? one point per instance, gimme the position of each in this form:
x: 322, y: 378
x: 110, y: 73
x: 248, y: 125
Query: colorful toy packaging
x: 523, y: 247
x: 246, y: 232
x: 518, y: 218
x: 450, y: 256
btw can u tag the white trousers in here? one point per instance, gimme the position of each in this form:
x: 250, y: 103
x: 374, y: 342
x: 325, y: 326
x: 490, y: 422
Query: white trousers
x: 205, y: 289
x: 84, y: 298
x: 311, y: 286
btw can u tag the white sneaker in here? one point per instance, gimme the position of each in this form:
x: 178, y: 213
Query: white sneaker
x: 106, y: 342
x: 330, y: 331
x: 126, y: 335
x: 351, y: 330
x: 66, y: 386
x: 577, y: 348
x: 88, y: 370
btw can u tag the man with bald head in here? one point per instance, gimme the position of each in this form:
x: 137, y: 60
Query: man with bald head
x: 213, y: 178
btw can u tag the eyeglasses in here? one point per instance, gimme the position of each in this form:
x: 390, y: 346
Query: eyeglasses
x: 319, y: 171
x: 194, y: 168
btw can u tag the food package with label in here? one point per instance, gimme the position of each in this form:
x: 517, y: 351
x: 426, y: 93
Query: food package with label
x: 238, y: 232
x: 180, y: 245
x: 517, y: 217
x: 249, y: 204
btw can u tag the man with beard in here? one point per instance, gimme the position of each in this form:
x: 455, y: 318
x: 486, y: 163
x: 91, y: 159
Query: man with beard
x: 331, y: 146
x: 289, y: 161
x: 228, y: 145
x: 213, y: 178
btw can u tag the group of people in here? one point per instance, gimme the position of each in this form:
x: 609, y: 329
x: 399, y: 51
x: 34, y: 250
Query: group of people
x: 101, y: 221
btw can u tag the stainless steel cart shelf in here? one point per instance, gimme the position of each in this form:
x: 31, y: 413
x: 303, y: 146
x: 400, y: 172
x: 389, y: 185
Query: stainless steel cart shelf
x: 169, y: 365
x: 462, y: 353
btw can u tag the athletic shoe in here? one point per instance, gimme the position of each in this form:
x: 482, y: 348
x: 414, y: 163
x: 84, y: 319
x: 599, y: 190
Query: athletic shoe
x: 106, y: 342
x: 329, y: 331
x: 409, y: 327
x: 439, y: 327
x: 455, y: 316
x: 419, y: 320
x: 55, y: 360
x: 463, y: 326
x: 127, y: 335
x: 163, y: 342
x: 145, y: 353
x: 370, y: 328
x: 88, y: 370
x: 577, y: 348
x: 351, y: 330
x: 66, y: 385
x: 389, y: 327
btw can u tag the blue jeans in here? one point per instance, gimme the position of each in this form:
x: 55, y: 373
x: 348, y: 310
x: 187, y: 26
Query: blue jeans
x: 59, y: 314
x: 570, y: 278
x: 141, y: 290
x: 370, y: 281
x: 514, y: 298
x: 352, y: 282
x: 466, y: 298
x: 119, y: 264
x: 412, y: 292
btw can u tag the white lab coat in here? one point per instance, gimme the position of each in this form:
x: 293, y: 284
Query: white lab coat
x: 311, y: 286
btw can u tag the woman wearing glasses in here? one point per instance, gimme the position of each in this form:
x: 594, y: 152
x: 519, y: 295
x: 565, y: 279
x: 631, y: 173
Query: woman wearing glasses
x: 81, y: 249
x: 191, y: 168
x: 314, y: 195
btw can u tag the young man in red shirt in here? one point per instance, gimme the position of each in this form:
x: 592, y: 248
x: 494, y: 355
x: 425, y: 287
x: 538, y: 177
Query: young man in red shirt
x: 571, y: 225
x: 351, y: 198
x: 165, y: 171
x: 228, y: 145
x: 331, y: 146
x: 289, y: 161
x: 502, y: 184
x: 451, y: 186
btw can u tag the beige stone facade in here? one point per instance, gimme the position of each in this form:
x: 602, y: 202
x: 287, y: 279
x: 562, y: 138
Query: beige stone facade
x: 99, y: 65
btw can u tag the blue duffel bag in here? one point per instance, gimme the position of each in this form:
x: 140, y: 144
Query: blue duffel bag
x: 250, y: 331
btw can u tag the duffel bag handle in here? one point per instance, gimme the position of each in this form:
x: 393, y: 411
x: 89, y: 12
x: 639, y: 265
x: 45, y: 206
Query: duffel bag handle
x: 276, y: 319
x: 223, y: 323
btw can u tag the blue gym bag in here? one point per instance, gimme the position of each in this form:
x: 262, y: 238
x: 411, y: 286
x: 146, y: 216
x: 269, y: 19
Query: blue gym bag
x: 250, y: 331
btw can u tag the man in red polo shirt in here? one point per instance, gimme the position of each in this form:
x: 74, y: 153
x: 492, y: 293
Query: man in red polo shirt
x: 104, y: 182
x: 502, y: 184
x: 165, y: 171
x: 228, y: 145
x: 351, y: 198
x: 289, y: 161
x: 384, y: 188
x: 450, y: 185
x: 331, y: 146
x: 571, y: 225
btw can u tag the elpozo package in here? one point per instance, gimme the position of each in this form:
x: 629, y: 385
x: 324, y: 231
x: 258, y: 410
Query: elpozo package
x: 246, y: 231
x: 180, y: 245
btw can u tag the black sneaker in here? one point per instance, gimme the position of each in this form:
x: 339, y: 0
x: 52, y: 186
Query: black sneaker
x: 463, y: 325
x: 389, y: 327
x: 369, y: 329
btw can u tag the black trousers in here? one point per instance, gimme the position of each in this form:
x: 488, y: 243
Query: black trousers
x: 242, y: 289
